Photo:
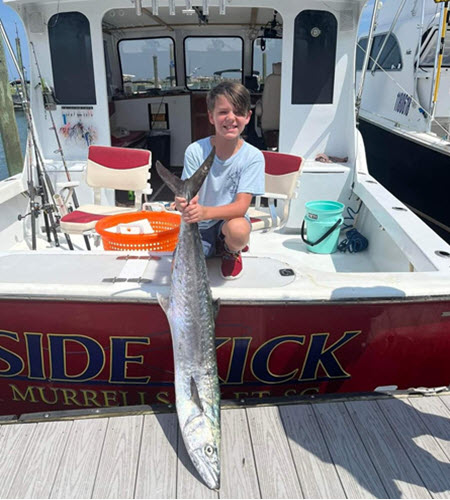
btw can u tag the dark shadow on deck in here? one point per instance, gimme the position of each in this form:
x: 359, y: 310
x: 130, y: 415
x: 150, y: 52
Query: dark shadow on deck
x: 372, y: 444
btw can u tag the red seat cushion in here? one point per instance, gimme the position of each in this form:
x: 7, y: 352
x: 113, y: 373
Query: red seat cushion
x: 79, y: 217
x: 280, y: 163
x: 118, y: 158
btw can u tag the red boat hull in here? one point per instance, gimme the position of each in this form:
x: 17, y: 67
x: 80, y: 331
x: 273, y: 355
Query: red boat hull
x: 73, y: 355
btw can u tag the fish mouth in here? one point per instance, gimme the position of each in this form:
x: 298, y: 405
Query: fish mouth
x: 212, y: 479
x: 208, y: 471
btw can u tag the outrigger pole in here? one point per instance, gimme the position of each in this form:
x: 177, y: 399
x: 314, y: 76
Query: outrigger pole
x: 366, y: 58
x: 445, y: 21
x: 60, y: 149
x: 45, y: 187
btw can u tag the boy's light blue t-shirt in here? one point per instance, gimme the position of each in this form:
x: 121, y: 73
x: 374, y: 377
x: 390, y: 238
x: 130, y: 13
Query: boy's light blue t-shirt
x: 241, y: 173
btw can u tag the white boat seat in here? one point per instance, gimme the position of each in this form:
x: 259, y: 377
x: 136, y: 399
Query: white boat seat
x: 110, y: 168
x: 281, y: 174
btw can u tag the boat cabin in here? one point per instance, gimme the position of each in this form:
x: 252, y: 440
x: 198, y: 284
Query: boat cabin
x: 123, y: 74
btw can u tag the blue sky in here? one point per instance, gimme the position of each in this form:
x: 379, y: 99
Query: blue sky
x: 10, y: 20
x: 366, y: 17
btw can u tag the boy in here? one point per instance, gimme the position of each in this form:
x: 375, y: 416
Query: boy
x: 236, y: 176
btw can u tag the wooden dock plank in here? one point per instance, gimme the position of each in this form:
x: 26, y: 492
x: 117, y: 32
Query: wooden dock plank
x: 239, y: 478
x: 422, y: 448
x: 315, y: 467
x: 39, y: 467
x: 14, y: 441
x: 396, y: 447
x: 446, y: 400
x: 76, y: 475
x: 189, y: 483
x: 436, y: 416
x: 157, y: 471
x: 356, y: 471
x: 116, y: 475
x: 276, y: 470
x: 396, y: 471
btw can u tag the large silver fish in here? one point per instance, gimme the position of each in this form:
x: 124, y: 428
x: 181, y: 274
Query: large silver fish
x: 191, y: 314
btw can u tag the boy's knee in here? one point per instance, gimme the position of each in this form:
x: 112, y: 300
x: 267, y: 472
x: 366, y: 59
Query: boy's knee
x: 238, y: 226
x: 236, y: 232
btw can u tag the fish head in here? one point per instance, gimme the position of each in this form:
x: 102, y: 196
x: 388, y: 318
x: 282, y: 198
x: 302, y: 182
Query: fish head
x: 202, y: 440
x: 206, y: 461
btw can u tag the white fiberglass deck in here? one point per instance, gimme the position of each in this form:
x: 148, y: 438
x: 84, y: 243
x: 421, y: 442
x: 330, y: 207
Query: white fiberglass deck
x: 58, y: 273
x: 354, y: 448
x: 288, y: 247
x: 116, y: 276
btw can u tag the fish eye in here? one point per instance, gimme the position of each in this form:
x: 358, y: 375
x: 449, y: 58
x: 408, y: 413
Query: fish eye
x: 209, y: 450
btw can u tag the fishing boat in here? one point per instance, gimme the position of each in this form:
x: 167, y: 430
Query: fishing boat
x: 405, y: 105
x: 15, y: 93
x: 80, y: 323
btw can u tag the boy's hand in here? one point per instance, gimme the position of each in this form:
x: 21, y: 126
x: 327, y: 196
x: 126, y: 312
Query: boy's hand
x: 180, y: 204
x: 194, y: 212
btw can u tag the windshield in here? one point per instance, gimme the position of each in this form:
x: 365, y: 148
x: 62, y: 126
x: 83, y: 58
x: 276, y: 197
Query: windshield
x: 429, y: 51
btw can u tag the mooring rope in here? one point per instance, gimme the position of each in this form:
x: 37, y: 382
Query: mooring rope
x: 354, y: 242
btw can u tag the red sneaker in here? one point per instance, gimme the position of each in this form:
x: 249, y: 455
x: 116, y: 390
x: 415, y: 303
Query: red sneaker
x: 231, y: 267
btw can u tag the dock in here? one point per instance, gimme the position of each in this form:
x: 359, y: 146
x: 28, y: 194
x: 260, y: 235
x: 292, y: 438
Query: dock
x: 366, y: 447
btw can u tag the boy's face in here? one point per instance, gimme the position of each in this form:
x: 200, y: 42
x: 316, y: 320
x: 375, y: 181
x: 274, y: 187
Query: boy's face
x: 227, y: 123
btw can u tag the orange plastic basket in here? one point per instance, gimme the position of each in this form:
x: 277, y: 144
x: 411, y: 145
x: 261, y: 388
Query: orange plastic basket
x: 165, y: 224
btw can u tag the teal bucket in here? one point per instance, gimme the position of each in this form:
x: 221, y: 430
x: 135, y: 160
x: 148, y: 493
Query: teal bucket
x: 323, y: 220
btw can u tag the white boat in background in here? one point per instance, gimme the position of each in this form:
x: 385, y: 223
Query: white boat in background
x: 83, y: 328
x: 405, y: 107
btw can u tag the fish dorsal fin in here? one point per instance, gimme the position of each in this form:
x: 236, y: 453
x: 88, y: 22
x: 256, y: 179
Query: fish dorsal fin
x: 194, y: 395
x: 172, y: 181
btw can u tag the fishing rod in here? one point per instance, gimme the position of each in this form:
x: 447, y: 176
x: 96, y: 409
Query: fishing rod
x: 57, y: 198
x: 34, y: 207
x: 44, y: 187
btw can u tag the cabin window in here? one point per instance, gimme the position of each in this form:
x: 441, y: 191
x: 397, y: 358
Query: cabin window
x: 428, y: 55
x: 390, y: 59
x: 266, y: 51
x: 71, y: 54
x: 146, y: 64
x: 314, y: 57
x: 211, y: 60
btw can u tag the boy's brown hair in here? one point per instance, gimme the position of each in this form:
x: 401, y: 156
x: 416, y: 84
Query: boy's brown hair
x: 235, y: 92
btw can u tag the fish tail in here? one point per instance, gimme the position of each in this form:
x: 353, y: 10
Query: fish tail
x: 190, y: 187
x: 175, y: 184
